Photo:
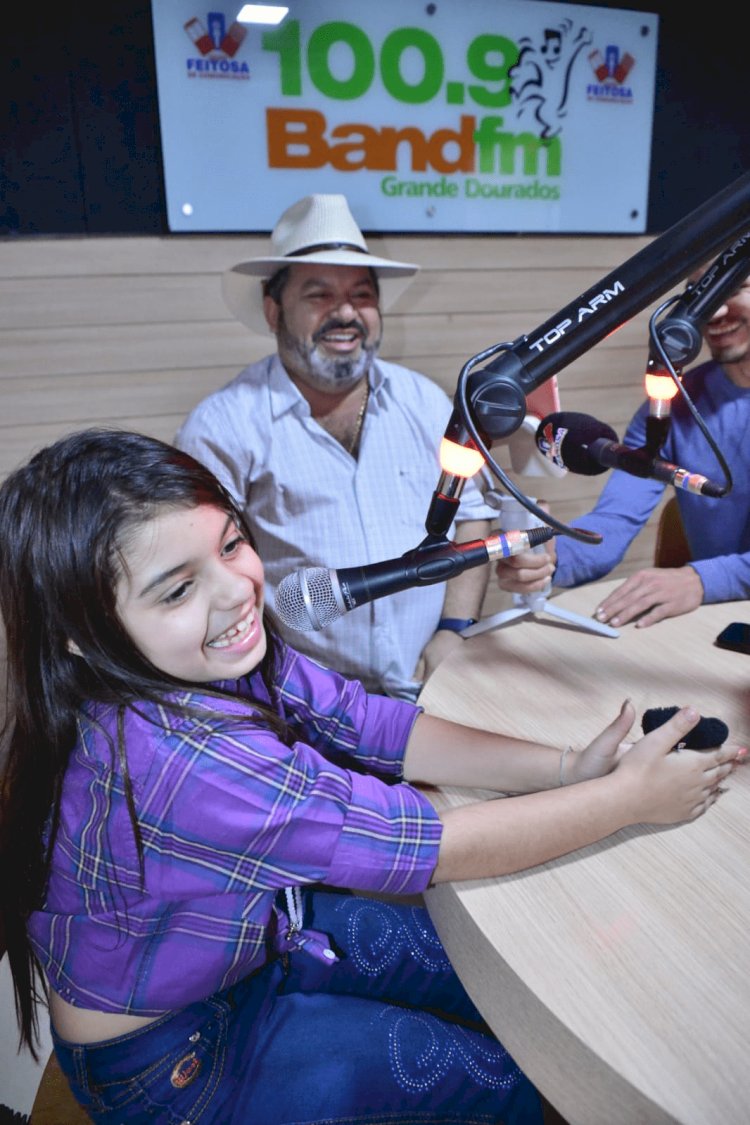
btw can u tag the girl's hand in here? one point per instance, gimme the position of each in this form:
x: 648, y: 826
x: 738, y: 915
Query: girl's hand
x: 664, y: 786
x: 602, y: 755
x: 656, y: 784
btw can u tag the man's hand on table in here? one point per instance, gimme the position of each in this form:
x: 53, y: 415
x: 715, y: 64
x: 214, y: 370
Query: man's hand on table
x: 651, y: 595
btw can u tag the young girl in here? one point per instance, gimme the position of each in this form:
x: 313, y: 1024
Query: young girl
x: 187, y: 801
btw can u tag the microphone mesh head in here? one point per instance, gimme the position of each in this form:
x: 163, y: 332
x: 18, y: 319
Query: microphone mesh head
x: 305, y: 600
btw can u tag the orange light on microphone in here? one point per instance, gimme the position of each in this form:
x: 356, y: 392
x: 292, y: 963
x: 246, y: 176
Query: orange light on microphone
x: 459, y: 460
x: 661, y: 387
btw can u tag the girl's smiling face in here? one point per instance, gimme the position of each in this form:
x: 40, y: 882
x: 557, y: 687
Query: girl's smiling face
x: 190, y: 595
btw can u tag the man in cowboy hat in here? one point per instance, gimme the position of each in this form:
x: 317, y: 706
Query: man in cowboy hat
x: 333, y: 452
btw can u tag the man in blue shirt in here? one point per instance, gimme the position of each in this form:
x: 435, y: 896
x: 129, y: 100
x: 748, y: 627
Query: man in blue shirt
x: 717, y: 530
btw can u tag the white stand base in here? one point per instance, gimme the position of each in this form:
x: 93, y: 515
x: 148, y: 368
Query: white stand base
x: 497, y: 620
x: 513, y: 515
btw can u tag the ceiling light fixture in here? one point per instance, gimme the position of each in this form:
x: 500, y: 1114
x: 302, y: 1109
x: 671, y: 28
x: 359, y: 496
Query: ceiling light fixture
x: 262, y: 13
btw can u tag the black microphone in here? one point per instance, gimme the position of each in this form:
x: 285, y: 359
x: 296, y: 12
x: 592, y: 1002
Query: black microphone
x: 584, y: 445
x: 314, y: 597
x: 708, y: 732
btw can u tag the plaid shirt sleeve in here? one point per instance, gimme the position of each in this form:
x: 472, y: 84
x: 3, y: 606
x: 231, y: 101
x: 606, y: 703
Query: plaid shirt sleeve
x: 228, y: 814
x: 231, y: 806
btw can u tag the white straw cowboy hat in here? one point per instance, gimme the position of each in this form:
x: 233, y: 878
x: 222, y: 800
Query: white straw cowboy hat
x: 318, y: 228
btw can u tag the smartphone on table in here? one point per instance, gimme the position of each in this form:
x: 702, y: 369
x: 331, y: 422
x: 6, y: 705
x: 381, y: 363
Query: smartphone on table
x: 736, y: 637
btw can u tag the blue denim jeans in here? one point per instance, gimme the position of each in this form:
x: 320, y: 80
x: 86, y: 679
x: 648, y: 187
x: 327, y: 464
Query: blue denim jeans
x: 385, y: 1036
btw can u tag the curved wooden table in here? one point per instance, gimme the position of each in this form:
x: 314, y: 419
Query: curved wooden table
x: 618, y: 977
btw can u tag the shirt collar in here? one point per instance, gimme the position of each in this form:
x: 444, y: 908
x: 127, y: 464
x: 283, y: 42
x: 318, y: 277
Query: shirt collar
x: 286, y: 397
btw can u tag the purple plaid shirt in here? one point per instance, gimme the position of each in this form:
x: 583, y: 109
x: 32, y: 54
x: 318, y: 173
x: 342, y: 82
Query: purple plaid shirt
x: 228, y: 815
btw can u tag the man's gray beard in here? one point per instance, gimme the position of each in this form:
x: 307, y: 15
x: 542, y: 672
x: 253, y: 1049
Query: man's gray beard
x: 329, y: 373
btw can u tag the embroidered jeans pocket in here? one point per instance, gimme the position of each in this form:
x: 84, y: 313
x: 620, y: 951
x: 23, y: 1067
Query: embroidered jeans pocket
x: 144, y: 1078
x: 187, y: 1083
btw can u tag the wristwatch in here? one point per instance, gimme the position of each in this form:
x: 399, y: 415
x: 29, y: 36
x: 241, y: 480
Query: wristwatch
x: 456, y: 624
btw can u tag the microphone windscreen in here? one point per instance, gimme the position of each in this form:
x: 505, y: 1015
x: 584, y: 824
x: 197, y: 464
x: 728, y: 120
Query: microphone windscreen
x: 525, y: 456
x: 705, y: 735
x: 564, y: 438
x: 305, y: 600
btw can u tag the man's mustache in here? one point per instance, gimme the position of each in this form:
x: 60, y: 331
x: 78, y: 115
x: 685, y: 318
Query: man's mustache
x: 339, y: 325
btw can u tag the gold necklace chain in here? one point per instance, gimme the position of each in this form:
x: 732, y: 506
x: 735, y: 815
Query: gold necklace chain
x: 358, y: 424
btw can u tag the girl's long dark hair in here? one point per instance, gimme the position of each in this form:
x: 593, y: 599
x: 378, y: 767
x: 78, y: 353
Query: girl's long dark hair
x: 64, y: 518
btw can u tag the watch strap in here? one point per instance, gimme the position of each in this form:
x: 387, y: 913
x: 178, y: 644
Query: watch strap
x: 456, y: 624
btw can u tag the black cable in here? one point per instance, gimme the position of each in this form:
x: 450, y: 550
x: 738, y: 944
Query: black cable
x: 657, y: 345
x: 461, y: 401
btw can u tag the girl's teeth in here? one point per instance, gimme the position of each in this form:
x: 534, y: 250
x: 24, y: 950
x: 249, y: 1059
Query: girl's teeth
x: 226, y: 638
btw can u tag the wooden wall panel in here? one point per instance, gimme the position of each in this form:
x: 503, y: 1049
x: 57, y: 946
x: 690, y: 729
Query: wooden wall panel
x: 133, y: 332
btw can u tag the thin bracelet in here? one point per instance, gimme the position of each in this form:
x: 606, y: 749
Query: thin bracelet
x: 563, y: 754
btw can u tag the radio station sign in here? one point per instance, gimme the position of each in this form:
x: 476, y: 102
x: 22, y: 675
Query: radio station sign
x: 523, y: 116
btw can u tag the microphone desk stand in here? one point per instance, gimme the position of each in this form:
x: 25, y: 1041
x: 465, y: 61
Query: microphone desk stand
x: 515, y: 515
